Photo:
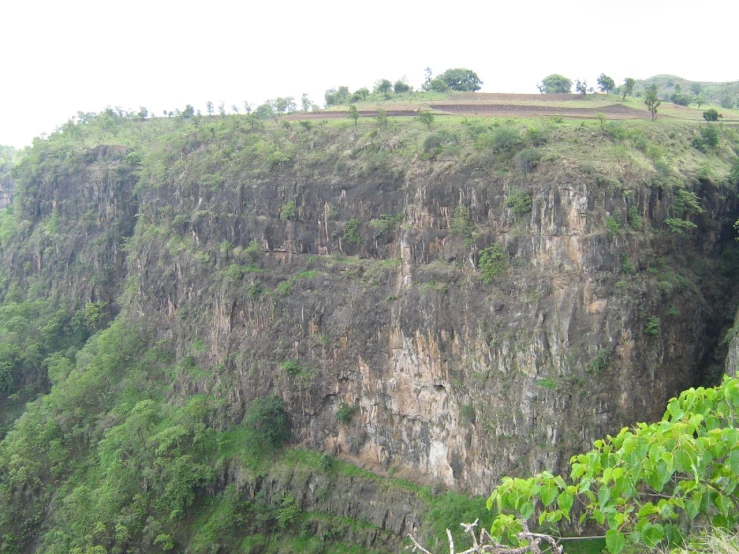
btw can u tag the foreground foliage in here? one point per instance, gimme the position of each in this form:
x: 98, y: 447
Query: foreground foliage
x: 648, y: 484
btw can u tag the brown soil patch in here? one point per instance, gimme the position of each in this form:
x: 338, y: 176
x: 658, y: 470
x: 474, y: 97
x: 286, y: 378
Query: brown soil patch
x: 615, y: 111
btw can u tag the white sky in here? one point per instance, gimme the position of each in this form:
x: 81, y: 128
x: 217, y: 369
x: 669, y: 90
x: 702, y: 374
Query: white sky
x: 64, y: 56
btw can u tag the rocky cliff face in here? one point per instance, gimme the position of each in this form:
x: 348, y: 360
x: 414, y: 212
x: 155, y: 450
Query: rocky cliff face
x: 347, y: 287
x: 448, y: 317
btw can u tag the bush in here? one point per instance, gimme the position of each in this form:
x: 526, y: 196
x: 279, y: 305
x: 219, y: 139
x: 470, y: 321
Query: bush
x: 518, y: 202
x: 527, y: 159
x: 291, y: 367
x: 267, y: 422
x: 351, y: 232
x: 652, y: 326
x: 288, y: 211
x: 505, y: 139
x: 462, y: 222
x: 345, y: 412
x: 612, y: 226
x: 493, y: 262
x: 435, y: 143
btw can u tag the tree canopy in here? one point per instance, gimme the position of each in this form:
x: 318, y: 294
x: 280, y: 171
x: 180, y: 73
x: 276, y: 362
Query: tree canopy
x: 464, y: 80
x: 628, y: 87
x: 555, y: 84
x: 605, y: 83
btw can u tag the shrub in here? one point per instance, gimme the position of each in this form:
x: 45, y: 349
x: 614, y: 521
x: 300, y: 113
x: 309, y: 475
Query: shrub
x: 435, y: 143
x: 518, y: 202
x: 291, y: 367
x: 600, y: 361
x: 652, y: 326
x: 627, y: 267
x: 351, y: 232
x: 345, y: 412
x: 679, y: 226
x: 267, y: 422
x: 288, y: 211
x: 462, y: 222
x: 527, y: 159
x: 634, y: 219
x: 612, y: 226
x: 505, y: 139
x: 467, y: 414
x: 493, y: 261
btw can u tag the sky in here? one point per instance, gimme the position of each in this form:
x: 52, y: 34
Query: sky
x: 61, y: 57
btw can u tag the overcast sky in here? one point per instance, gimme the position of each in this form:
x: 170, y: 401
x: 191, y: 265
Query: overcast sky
x: 61, y: 57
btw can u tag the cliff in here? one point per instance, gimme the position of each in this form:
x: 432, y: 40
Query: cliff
x: 444, y: 306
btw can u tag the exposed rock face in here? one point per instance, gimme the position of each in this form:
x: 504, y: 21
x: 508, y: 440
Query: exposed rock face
x: 454, y: 381
x: 372, y: 291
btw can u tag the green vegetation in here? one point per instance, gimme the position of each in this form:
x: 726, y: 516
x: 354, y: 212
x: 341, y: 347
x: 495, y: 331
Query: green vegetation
x: 351, y: 232
x: 648, y: 485
x: 345, y: 412
x: 121, y: 431
x: 518, y: 202
x: 652, y: 101
x: 555, y: 84
x: 493, y: 262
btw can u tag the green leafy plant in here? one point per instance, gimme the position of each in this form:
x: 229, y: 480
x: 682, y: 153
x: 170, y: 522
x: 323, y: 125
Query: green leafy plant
x: 493, y: 261
x: 518, y: 201
x: 652, y: 326
x: 648, y: 484
x: 612, y: 226
x: 345, y: 412
x: 462, y: 222
x: 288, y: 211
x: 351, y: 232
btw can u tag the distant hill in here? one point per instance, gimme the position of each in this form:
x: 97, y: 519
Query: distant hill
x: 725, y: 95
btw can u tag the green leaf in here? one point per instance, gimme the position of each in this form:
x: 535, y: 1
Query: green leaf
x: 615, y: 541
x: 604, y: 493
x: 564, y: 500
x: 526, y: 510
x: 682, y: 461
x: 734, y: 461
x: 548, y: 494
x: 652, y: 534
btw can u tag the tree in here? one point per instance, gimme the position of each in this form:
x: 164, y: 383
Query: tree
x: 400, y: 86
x: 285, y: 105
x: 605, y: 83
x: 383, y: 86
x: 628, y: 87
x: 353, y: 114
x: 359, y: 95
x: 699, y: 100
x: 305, y: 103
x: 581, y: 87
x: 426, y: 117
x: 209, y: 107
x: 336, y: 96
x: 188, y: 112
x: 652, y: 100
x: 427, y: 75
x: 555, y: 84
x: 711, y: 115
x: 460, y: 79
x: 438, y: 84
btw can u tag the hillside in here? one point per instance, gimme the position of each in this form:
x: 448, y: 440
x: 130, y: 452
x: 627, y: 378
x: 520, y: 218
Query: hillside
x: 224, y: 334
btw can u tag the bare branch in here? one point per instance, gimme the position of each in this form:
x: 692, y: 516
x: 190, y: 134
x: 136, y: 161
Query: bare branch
x: 485, y: 543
